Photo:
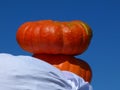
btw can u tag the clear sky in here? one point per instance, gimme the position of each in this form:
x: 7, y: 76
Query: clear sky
x: 103, y: 16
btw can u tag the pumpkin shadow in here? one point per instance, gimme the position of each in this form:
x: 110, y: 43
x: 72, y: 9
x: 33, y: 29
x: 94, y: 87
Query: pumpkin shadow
x: 59, y: 59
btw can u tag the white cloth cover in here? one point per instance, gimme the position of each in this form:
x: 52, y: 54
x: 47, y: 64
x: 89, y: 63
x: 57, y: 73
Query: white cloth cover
x: 28, y: 73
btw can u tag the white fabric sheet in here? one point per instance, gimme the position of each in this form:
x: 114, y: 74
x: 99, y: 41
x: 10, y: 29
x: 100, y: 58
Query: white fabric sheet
x: 28, y: 73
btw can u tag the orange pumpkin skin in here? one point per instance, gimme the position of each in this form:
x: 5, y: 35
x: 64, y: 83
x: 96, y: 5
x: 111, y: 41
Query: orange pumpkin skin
x: 54, y: 37
x: 68, y: 63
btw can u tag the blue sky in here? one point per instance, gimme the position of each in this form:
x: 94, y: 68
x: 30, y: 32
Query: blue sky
x: 103, y: 16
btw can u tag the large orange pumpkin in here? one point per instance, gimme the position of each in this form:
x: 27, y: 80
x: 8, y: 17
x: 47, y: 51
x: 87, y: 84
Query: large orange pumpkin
x: 54, y: 37
x: 68, y: 63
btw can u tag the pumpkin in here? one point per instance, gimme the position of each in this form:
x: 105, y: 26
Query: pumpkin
x: 54, y: 37
x: 68, y: 63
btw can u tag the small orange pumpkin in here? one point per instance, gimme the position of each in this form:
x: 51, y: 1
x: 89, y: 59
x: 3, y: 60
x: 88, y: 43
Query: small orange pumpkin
x: 54, y: 37
x: 68, y: 63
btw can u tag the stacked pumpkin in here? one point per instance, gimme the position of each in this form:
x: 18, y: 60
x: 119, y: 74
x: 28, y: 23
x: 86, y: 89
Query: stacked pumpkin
x: 58, y: 43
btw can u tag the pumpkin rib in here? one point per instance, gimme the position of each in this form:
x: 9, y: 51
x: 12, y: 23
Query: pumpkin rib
x: 46, y: 30
x: 63, y: 42
x: 34, y: 39
x: 88, y: 72
x: 40, y: 43
x: 67, y: 38
x: 55, y: 38
x: 65, y: 35
x: 87, y: 35
x: 84, y: 45
x: 77, y: 37
x: 20, y: 34
x: 43, y: 37
x: 81, y: 39
x: 38, y: 37
x: 61, y: 36
x: 29, y: 37
x: 24, y: 35
x: 70, y: 39
x: 89, y: 32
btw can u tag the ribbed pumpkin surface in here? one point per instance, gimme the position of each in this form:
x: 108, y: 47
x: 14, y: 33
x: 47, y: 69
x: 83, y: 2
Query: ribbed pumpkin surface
x: 54, y: 37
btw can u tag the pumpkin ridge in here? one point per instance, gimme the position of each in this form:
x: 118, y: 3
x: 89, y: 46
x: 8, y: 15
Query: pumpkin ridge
x: 38, y: 39
x: 33, y: 35
x: 85, y: 40
x: 26, y: 37
x: 78, y: 35
x: 87, y: 29
x: 81, y: 47
x: 62, y: 39
x: 63, y: 44
x: 21, y: 34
